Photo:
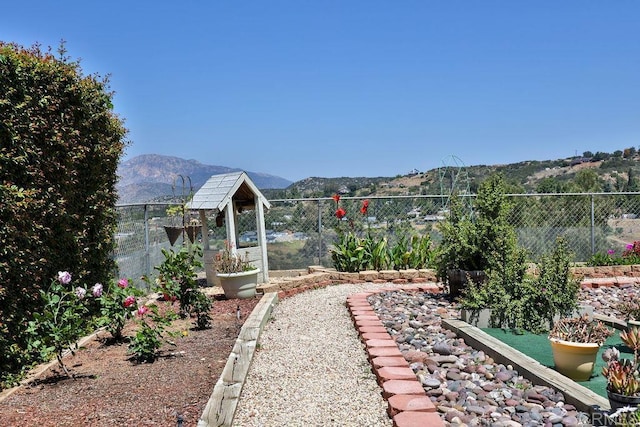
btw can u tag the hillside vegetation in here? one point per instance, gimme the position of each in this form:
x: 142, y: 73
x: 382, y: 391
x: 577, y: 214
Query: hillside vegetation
x: 600, y: 172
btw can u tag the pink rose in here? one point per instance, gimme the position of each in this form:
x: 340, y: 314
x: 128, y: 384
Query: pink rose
x: 64, y: 277
x: 96, y: 290
x: 129, y: 301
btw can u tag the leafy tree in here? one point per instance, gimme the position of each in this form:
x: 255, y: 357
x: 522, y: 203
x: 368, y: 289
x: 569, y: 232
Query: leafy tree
x: 629, y: 152
x: 60, y: 143
x: 632, y: 181
x: 587, y: 180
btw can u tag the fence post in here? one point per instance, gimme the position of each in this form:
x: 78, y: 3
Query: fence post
x: 593, y: 227
x: 147, y: 266
x: 319, y: 231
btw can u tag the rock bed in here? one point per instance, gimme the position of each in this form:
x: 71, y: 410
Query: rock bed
x: 466, y: 385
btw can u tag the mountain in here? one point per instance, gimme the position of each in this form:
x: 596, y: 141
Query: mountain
x: 152, y: 177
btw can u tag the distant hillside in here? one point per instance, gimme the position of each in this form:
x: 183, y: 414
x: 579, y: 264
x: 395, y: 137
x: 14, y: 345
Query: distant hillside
x: 151, y: 177
x: 618, y: 171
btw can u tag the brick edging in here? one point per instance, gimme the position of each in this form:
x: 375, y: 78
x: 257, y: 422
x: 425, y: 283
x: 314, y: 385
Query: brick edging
x: 408, y: 404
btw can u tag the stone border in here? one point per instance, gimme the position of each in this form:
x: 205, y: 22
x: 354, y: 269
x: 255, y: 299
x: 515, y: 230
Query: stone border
x: 579, y: 396
x: 222, y: 404
x: 408, y: 403
x: 318, y: 276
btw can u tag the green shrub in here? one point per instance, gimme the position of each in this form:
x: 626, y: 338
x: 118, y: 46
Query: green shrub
x: 177, y: 279
x: 524, y: 302
x: 60, y: 143
x: 472, y: 235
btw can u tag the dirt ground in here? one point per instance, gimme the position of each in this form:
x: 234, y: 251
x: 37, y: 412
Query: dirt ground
x: 109, y: 389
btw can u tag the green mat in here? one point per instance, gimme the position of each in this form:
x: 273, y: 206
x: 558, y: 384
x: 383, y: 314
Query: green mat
x: 538, y: 347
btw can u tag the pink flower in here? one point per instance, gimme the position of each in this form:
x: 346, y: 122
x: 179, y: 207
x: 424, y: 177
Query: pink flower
x: 96, y: 290
x: 611, y: 252
x: 629, y: 246
x: 80, y: 292
x: 123, y: 283
x: 64, y: 277
x: 142, y: 310
x: 129, y: 301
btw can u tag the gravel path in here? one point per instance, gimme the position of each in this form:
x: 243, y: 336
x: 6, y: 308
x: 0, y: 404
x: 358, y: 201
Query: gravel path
x: 311, y: 368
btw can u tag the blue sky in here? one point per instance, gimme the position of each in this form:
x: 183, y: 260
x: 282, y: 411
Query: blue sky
x: 355, y: 88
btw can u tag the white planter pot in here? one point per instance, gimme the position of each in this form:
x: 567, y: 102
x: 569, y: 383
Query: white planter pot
x: 240, y: 285
x: 574, y: 360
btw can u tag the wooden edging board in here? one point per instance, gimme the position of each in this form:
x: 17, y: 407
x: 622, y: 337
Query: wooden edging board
x: 222, y: 404
x: 579, y: 396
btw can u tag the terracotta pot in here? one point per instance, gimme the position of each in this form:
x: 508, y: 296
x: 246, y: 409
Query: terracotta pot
x: 574, y: 359
x: 240, y: 285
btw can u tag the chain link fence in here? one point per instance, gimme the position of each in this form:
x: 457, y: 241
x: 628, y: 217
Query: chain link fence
x: 301, y: 231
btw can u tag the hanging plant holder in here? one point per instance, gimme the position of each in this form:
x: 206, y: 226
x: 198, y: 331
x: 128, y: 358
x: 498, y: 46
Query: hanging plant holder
x: 220, y: 219
x: 173, y: 233
x: 192, y: 232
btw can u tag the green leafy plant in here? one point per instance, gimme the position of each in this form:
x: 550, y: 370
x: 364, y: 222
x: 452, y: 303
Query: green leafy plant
x: 400, y: 253
x: 521, y: 301
x: 201, y: 308
x: 472, y: 235
x: 177, y: 277
x: 376, y: 252
x: 358, y: 250
x: 117, y: 305
x: 348, y: 254
x: 151, y: 333
x: 630, y: 256
x: 62, y: 320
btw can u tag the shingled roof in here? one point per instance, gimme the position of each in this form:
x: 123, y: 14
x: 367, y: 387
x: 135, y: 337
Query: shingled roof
x: 219, y: 189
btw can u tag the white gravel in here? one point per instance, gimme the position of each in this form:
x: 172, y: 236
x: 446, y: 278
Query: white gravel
x: 310, y: 368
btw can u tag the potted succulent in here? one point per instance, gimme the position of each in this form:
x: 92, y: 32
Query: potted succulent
x: 623, y: 378
x: 575, y: 342
x: 237, y: 276
x: 631, y: 312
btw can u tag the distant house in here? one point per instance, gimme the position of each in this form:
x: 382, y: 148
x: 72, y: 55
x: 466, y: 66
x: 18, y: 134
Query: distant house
x: 580, y: 160
x: 414, y: 213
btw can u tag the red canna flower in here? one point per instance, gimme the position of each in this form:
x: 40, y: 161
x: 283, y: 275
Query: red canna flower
x: 365, y: 206
x: 336, y: 197
x: 341, y: 213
